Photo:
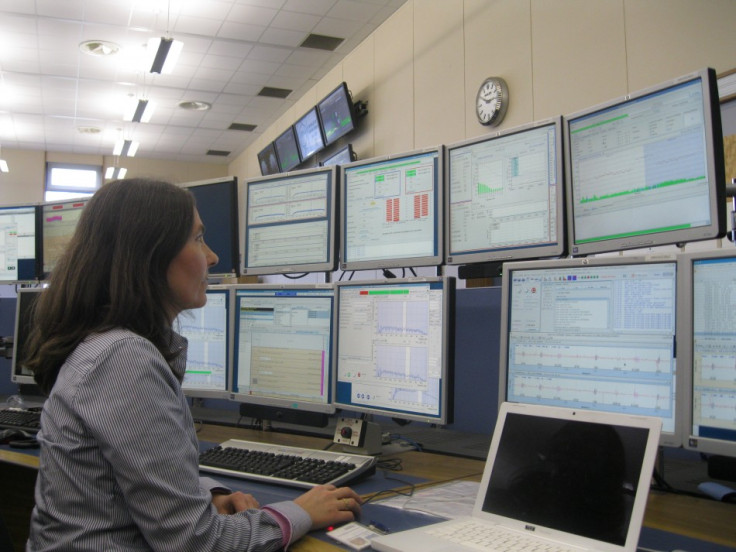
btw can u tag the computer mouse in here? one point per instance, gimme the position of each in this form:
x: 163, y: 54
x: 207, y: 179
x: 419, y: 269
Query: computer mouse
x: 17, y: 438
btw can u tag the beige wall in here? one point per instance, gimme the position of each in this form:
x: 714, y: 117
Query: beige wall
x: 420, y: 70
x: 25, y: 181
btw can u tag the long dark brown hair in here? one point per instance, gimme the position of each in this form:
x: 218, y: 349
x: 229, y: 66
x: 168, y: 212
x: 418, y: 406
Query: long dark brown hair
x: 113, y: 273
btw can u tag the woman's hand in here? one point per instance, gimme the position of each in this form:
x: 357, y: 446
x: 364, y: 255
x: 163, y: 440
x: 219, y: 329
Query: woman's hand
x: 327, y: 504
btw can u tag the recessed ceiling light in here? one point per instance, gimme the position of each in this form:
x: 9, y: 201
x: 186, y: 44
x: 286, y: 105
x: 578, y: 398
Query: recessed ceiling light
x: 99, y: 48
x: 88, y: 130
x: 195, y: 105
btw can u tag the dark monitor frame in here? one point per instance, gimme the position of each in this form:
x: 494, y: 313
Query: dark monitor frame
x: 343, y: 151
x: 715, y: 173
x: 287, y: 139
x: 326, y: 264
x: 399, y: 261
x: 552, y: 248
x: 38, y: 246
x: 268, y: 160
x: 302, y: 136
x: 342, y: 97
x: 223, y: 220
x: 446, y: 406
x: 22, y: 310
x: 671, y: 437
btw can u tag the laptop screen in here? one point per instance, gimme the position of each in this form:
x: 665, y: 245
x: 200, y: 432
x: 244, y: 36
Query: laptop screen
x: 568, y: 475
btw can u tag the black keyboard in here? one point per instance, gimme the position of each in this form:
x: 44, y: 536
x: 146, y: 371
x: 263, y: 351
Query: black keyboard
x: 17, y: 418
x: 292, y: 466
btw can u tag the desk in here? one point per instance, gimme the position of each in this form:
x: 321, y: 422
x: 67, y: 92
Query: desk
x: 696, y: 518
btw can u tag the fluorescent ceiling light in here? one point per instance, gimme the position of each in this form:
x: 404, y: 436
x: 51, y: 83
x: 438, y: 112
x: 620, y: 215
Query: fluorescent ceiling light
x: 4, y: 166
x: 163, y: 53
x: 125, y: 148
x: 115, y: 173
x: 139, y: 111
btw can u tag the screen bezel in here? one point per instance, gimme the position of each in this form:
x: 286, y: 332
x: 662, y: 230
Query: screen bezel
x: 715, y: 172
x: 330, y: 262
x: 38, y: 245
x: 263, y: 159
x: 232, y: 215
x: 448, y: 350
x: 16, y: 375
x: 328, y: 161
x: 685, y: 332
x: 289, y: 136
x: 512, y: 252
x: 395, y: 262
x: 666, y: 438
x: 304, y: 155
x: 342, y: 94
x: 290, y: 405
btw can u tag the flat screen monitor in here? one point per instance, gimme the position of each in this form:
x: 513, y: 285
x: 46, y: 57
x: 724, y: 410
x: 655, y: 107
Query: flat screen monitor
x: 58, y: 223
x: 26, y: 300
x: 267, y: 160
x: 707, y: 349
x: 647, y: 169
x: 394, y: 348
x: 283, y: 348
x: 337, y: 114
x: 594, y: 334
x: 505, y: 196
x: 290, y: 222
x: 20, y: 243
x: 343, y: 156
x: 309, y: 134
x: 287, y: 151
x: 217, y: 203
x: 391, y: 211
x: 209, y: 333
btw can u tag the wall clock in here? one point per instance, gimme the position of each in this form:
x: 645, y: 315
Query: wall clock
x: 492, y: 101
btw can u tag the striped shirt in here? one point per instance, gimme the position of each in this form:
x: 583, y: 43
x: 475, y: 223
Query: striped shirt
x: 119, y: 461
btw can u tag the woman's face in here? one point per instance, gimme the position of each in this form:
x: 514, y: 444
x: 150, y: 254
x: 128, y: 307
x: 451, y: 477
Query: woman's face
x: 187, y: 273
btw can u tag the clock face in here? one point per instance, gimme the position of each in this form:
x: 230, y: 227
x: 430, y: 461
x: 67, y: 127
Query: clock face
x: 491, y: 101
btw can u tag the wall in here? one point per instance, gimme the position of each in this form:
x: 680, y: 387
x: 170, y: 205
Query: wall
x: 420, y: 70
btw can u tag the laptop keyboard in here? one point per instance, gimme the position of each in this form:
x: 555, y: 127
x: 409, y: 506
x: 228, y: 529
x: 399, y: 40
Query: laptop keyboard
x: 491, y: 538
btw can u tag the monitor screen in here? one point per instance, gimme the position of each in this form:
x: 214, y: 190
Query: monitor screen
x: 707, y: 349
x: 647, y: 169
x: 394, y: 351
x: 58, y: 223
x: 290, y: 222
x: 343, y: 156
x: 287, y: 152
x: 217, y: 203
x: 595, y: 334
x: 391, y: 211
x: 283, y: 346
x: 207, y: 330
x: 309, y: 134
x: 504, y: 196
x: 20, y: 244
x: 267, y: 160
x: 337, y: 114
x: 23, y: 324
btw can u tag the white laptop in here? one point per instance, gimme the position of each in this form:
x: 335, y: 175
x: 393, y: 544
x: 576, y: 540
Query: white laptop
x: 575, y: 480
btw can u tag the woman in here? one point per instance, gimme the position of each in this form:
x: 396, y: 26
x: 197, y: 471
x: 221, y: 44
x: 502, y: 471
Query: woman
x: 119, y: 455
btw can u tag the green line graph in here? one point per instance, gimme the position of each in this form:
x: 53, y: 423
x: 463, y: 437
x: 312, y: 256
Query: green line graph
x: 483, y: 189
x: 664, y: 184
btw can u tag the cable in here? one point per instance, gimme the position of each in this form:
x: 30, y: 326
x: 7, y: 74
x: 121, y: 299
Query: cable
x: 295, y: 276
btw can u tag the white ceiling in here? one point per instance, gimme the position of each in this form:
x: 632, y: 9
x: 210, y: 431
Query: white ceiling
x: 54, y: 97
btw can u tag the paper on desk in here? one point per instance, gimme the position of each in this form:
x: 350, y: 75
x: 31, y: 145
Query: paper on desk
x: 449, y: 500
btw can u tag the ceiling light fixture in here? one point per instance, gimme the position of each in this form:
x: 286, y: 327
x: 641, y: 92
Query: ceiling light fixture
x: 115, y: 173
x: 167, y: 52
x: 99, y: 48
x: 139, y: 111
x: 195, y: 105
x: 125, y: 148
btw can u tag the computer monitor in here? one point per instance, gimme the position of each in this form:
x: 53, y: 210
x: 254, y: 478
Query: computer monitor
x: 217, y: 204
x: 283, y: 351
x: 26, y: 300
x: 391, y: 211
x: 309, y: 134
x: 646, y: 169
x: 287, y: 151
x: 337, y: 114
x: 707, y: 349
x: 595, y: 334
x: 290, y: 222
x: 343, y: 156
x: 209, y: 332
x: 20, y: 243
x: 58, y: 223
x: 267, y: 160
x: 505, y: 196
x: 394, y: 348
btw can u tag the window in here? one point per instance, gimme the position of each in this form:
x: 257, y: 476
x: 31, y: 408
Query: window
x: 67, y: 180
